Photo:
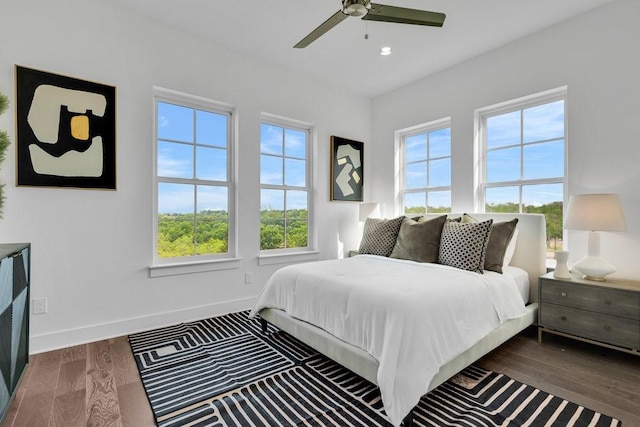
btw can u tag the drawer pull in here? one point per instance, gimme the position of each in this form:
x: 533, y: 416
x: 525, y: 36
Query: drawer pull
x: 607, y: 328
x: 564, y: 294
x: 563, y: 317
x: 607, y: 302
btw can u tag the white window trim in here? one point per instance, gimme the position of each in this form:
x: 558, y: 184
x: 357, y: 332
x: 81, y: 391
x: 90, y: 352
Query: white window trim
x: 163, y: 270
x: 198, y: 263
x: 277, y: 256
x: 399, y: 138
x: 480, y: 116
x: 266, y: 258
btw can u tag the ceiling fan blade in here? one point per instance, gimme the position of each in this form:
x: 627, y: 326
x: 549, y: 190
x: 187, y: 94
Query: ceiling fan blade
x: 402, y: 15
x: 334, y: 20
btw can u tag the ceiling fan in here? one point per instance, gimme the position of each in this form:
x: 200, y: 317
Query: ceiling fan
x: 374, y: 12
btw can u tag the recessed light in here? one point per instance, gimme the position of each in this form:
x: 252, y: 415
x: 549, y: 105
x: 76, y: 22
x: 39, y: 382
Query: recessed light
x: 385, y: 51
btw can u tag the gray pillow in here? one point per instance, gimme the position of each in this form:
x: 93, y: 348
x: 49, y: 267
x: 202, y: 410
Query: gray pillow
x: 501, y: 234
x: 419, y: 240
x: 379, y: 236
x: 464, y: 245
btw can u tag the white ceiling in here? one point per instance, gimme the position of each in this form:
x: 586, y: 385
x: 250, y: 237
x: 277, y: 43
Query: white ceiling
x: 269, y: 28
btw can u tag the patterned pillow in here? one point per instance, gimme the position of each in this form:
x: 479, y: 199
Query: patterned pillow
x: 501, y: 235
x: 379, y: 236
x: 464, y: 245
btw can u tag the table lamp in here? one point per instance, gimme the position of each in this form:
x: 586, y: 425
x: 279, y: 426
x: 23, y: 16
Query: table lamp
x: 594, y: 213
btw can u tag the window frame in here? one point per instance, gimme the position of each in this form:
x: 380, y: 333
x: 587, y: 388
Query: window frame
x: 271, y: 256
x: 401, y: 137
x: 519, y: 104
x: 187, y: 264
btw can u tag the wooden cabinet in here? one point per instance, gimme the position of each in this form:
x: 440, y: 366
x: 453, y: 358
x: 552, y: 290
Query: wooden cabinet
x: 604, y: 313
x: 14, y: 319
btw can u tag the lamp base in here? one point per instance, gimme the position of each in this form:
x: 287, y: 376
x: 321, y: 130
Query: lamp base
x: 594, y: 268
x: 595, y: 279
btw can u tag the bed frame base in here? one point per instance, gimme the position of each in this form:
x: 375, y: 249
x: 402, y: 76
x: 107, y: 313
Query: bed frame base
x: 408, y: 420
x: 365, y: 365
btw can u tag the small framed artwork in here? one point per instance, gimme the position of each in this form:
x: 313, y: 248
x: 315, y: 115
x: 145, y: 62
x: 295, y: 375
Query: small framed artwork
x: 65, y: 131
x: 347, y: 169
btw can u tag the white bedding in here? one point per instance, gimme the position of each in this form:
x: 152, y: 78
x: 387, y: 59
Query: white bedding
x: 411, y: 317
x: 521, y: 279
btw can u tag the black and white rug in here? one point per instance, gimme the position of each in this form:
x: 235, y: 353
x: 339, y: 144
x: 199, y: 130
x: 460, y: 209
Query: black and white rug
x: 224, y: 371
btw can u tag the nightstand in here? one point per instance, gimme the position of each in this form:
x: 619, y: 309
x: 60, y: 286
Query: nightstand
x: 603, y: 313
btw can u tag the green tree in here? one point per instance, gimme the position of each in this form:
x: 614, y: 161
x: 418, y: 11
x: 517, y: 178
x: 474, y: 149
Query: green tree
x: 439, y: 209
x: 414, y: 210
x: 553, y: 215
x: 180, y: 235
x: 280, y: 229
x: 271, y: 236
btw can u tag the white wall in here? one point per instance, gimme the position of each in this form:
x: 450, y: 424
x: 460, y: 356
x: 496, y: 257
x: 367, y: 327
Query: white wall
x: 91, y: 249
x: 596, y: 56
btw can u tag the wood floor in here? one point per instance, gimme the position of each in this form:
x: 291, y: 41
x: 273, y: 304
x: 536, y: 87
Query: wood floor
x: 98, y: 384
x: 89, y: 385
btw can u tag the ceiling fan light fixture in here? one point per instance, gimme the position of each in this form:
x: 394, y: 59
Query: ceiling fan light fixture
x: 386, y: 50
x: 356, y: 7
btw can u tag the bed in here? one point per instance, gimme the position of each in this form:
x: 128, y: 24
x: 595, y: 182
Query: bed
x: 393, y: 367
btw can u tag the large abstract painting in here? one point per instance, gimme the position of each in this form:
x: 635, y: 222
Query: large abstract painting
x: 66, y: 131
x: 347, y: 169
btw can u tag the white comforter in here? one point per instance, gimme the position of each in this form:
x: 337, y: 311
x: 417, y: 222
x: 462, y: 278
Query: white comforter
x: 411, y: 317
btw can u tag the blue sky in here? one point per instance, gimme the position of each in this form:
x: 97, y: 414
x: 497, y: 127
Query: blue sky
x: 179, y: 198
x: 541, y: 128
x: 438, y: 157
x: 185, y: 135
x: 282, y: 162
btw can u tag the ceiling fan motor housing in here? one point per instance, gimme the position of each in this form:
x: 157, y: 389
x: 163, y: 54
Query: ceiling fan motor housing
x: 356, y: 7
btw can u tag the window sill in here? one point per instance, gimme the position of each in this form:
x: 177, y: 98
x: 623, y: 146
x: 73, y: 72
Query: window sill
x: 286, y: 257
x: 162, y: 270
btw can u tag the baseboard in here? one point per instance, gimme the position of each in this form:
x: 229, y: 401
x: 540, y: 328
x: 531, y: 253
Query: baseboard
x: 70, y: 337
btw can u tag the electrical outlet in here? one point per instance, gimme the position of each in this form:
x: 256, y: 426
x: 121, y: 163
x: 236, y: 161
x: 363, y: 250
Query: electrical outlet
x: 39, y: 306
x: 248, y: 278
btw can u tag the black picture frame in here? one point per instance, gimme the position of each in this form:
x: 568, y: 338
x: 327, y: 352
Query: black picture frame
x: 347, y: 170
x: 65, y: 131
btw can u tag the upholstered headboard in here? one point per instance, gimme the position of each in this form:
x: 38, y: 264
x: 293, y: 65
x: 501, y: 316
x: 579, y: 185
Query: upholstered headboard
x: 531, y: 243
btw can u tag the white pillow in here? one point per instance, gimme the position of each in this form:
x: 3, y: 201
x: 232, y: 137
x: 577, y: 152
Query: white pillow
x: 511, y: 248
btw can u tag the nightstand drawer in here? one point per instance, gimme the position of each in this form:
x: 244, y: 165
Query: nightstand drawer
x: 593, y: 298
x: 601, y: 327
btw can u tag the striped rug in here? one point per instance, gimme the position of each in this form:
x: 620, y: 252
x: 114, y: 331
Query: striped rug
x: 224, y: 371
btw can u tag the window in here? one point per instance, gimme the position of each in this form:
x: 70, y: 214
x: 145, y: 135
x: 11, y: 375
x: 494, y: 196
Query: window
x: 523, y: 159
x: 193, y: 178
x: 425, y: 167
x: 285, y: 188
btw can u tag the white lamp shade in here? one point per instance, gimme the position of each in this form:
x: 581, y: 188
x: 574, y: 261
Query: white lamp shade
x: 595, y: 212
